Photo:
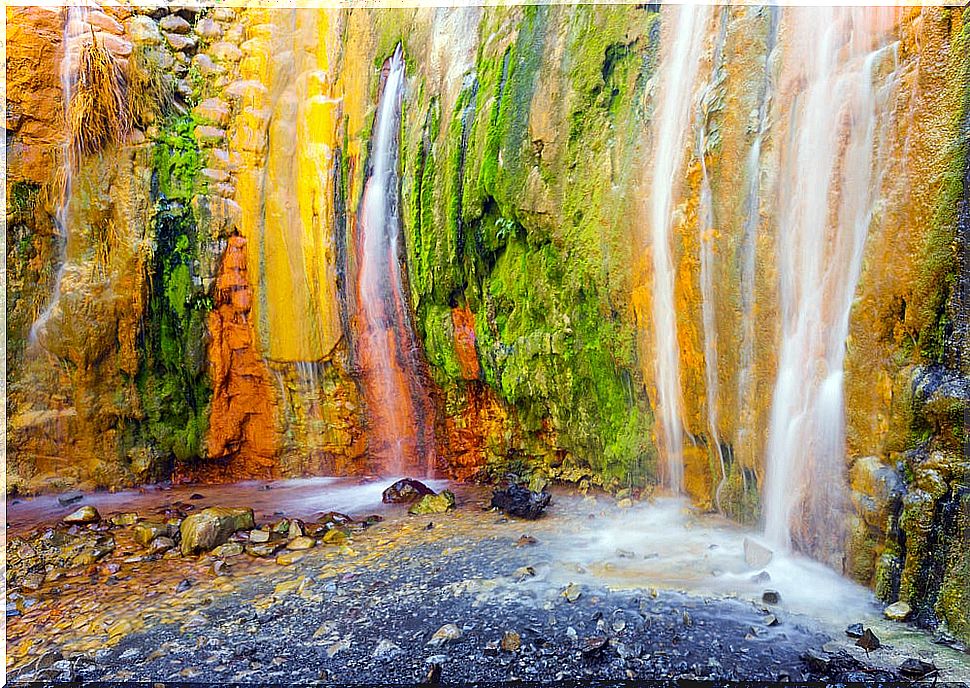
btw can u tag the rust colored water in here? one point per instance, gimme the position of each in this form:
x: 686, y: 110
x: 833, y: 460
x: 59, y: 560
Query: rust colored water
x: 401, y: 434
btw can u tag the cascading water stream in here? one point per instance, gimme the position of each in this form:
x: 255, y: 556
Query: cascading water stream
x: 76, y: 29
x: 706, y: 232
x: 399, y: 405
x: 672, y: 120
x: 749, y: 245
x: 827, y: 190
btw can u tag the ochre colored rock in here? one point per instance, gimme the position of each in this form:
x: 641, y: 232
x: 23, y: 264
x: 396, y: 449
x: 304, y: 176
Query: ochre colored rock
x: 241, y: 422
x: 85, y: 514
x: 302, y: 542
x: 434, y: 504
x: 145, y: 532
x: 212, y: 527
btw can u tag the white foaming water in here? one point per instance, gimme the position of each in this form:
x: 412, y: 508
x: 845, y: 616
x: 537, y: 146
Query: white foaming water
x: 678, y: 70
x: 76, y: 30
x: 826, y: 196
x: 667, y: 544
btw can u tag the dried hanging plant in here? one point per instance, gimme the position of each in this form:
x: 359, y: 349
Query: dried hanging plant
x: 98, y: 113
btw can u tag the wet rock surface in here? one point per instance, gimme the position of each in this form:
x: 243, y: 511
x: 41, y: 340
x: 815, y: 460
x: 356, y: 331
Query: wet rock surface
x: 521, y: 502
x: 405, y: 491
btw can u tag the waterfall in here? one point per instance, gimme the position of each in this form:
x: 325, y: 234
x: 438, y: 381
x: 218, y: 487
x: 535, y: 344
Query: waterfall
x: 749, y: 245
x: 706, y: 230
x: 679, y: 66
x: 827, y: 190
x: 76, y: 30
x: 398, y: 404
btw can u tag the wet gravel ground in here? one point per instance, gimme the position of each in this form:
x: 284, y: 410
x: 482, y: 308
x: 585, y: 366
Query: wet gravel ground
x: 460, y: 597
x: 374, y: 624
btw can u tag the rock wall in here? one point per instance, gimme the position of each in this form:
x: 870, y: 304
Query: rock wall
x: 205, y: 320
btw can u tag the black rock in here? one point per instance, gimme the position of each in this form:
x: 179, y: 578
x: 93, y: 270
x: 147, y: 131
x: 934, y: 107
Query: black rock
x: 593, y: 646
x: 335, y: 518
x: 69, y: 498
x: 184, y: 585
x: 771, y: 597
x: 521, y: 502
x: 405, y: 491
x: 196, y: 495
x: 854, y: 630
x: 868, y: 641
x: 816, y: 660
x: 433, y: 677
x: 916, y: 668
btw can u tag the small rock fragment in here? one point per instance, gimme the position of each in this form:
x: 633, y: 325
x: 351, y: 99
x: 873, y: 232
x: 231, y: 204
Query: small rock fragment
x: 854, y: 630
x: 289, y: 558
x: 897, y: 611
x: 405, y: 491
x: 434, y: 504
x: 212, y: 527
x: 266, y: 549
x: 183, y: 585
x: 445, y: 634
x: 175, y: 24
x: 868, y: 641
x: 160, y: 544
x: 572, y: 592
x: 511, y: 641
x: 69, y: 498
x: 525, y: 541
x: 523, y: 572
x: 756, y: 555
x: 771, y: 597
x: 302, y: 542
x: 86, y: 514
x: 593, y: 645
x: 129, y: 518
x: 229, y: 549
x: 335, y: 537
x: 521, y: 502
x: 760, y: 578
x: 433, y: 677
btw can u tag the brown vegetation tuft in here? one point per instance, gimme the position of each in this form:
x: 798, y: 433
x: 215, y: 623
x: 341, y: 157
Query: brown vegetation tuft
x: 98, y: 113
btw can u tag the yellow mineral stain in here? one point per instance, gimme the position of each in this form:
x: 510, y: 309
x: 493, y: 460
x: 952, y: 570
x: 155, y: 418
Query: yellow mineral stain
x: 285, y: 133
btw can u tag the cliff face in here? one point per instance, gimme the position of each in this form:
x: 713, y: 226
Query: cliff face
x: 201, y: 307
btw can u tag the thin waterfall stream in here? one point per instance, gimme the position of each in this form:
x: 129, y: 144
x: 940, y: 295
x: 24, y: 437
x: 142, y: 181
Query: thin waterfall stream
x: 393, y: 382
x: 672, y: 122
x: 820, y: 262
x: 76, y: 30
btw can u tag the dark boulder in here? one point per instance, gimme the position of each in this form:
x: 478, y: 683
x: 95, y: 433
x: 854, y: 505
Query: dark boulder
x: 405, y: 491
x: 521, y: 502
x: 916, y: 669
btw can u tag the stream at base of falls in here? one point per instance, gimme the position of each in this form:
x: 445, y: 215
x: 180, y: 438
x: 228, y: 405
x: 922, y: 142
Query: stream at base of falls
x: 654, y: 591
